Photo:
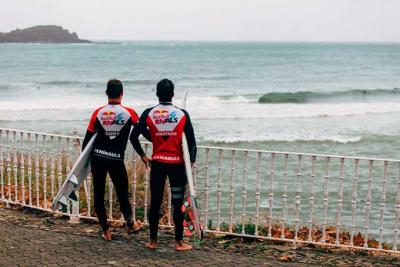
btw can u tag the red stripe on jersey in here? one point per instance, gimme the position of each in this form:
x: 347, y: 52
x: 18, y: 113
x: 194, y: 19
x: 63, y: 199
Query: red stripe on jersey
x: 92, y: 122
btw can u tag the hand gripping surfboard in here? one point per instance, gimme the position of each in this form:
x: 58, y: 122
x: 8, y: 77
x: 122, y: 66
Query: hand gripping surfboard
x: 76, y: 176
x: 193, y: 211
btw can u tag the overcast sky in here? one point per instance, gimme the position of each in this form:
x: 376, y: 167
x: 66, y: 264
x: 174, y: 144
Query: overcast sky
x: 263, y: 20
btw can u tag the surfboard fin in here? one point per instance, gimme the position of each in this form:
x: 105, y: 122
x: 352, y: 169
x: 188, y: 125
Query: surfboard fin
x: 73, y: 196
x: 63, y: 201
x: 73, y: 179
x: 62, y: 208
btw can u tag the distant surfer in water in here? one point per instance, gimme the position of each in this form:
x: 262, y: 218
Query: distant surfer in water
x: 167, y: 124
x: 113, y: 124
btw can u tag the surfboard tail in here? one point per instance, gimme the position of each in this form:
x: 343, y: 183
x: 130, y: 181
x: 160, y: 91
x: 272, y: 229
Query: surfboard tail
x: 76, y: 176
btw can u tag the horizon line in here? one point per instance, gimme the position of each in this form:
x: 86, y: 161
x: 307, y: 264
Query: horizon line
x: 242, y: 41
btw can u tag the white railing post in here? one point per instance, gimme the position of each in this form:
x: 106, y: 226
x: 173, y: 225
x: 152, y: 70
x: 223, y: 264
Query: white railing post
x: 271, y: 194
x: 232, y: 192
x: 44, y: 173
x: 86, y: 188
x: 67, y: 169
x: 15, y: 166
x: 88, y: 184
x: 134, y: 185
x: 382, y: 204
x: 22, y: 169
x: 397, y: 210
x: 258, y: 173
x: 59, y: 165
x: 298, y: 197
x: 339, y: 201
x: 325, y: 201
x: 368, y: 203
x: 1, y: 167
x: 354, y: 202
x: 74, y: 217
x: 244, y: 190
x: 8, y: 161
x: 219, y: 190
x: 284, y: 196
x: 30, y: 169
x: 206, y: 190
x: 52, y: 166
x: 37, y: 177
x: 311, y: 198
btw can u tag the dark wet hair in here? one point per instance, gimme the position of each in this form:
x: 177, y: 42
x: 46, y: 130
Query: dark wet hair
x: 165, y: 90
x: 114, y: 88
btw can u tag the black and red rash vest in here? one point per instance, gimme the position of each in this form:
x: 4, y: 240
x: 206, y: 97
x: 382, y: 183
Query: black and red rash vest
x: 167, y: 124
x: 113, y: 124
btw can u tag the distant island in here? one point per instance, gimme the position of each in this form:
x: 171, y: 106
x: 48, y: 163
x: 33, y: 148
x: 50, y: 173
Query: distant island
x: 41, y: 34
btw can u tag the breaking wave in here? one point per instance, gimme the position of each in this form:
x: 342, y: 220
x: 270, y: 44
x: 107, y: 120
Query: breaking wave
x: 308, y: 96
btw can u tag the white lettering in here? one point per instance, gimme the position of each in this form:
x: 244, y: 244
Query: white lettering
x: 166, y: 134
x: 167, y: 158
x: 105, y: 153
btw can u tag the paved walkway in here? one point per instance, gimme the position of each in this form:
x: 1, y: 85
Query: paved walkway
x: 30, y: 238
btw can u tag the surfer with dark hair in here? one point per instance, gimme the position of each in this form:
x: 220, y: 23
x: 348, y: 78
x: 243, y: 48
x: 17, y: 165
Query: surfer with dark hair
x: 112, y: 123
x: 167, y: 124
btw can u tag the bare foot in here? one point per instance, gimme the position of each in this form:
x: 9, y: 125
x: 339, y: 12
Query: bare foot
x: 182, y: 246
x: 134, y: 228
x: 107, y: 235
x: 153, y: 244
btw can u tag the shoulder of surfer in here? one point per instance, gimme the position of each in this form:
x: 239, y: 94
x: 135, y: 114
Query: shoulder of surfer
x: 183, y: 110
x: 132, y: 112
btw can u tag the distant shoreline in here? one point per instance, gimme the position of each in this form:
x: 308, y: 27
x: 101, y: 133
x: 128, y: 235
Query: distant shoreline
x: 41, y: 34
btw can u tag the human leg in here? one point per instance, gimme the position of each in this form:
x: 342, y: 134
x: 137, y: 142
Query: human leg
x: 99, y: 172
x: 177, y: 179
x: 119, y: 178
x: 157, y: 184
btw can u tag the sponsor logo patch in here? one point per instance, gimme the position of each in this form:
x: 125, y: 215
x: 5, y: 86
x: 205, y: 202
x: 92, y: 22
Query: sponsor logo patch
x: 106, y: 153
x: 110, y: 118
x: 163, y: 116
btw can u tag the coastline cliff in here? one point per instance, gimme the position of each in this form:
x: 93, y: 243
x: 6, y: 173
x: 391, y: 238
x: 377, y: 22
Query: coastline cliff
x: 41, y: 34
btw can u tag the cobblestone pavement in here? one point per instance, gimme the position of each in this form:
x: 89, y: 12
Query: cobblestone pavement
x: 31, y: 238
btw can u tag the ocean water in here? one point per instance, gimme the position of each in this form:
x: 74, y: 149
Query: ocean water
x: 320, y: 97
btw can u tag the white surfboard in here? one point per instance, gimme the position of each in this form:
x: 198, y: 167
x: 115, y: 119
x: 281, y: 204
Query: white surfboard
x: 76, y: 176
x: 189, y: 174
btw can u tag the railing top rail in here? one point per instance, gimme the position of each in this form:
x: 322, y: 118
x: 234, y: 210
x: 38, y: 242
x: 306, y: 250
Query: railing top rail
x: 299, y: 153
x: 234, y: 149
x: 38, y: 133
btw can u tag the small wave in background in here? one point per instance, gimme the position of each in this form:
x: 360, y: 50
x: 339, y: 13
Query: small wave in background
x: 359, y: 95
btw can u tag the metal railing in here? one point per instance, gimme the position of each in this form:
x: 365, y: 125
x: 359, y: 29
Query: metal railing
x: 295, y: 197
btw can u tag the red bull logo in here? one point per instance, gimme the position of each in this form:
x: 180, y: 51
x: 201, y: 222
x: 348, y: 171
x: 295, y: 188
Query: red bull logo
x: 162, y: 116
x: 108, y: 118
